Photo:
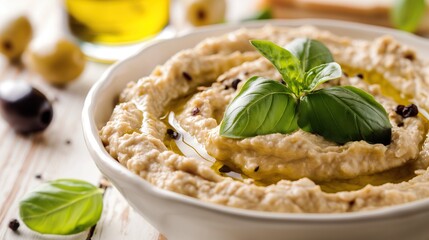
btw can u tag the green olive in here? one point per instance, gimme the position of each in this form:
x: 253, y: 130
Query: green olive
x: 58, y: 62
x: 204, y: 12
x: 15, y: 34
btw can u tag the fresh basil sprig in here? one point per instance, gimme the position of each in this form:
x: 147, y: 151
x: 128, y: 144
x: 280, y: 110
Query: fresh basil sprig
x: 62, y: 207
x: 339, y: 114
x: 407, y: 14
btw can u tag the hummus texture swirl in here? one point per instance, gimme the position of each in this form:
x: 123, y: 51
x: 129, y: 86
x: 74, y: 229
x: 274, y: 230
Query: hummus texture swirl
x: 297, y: 172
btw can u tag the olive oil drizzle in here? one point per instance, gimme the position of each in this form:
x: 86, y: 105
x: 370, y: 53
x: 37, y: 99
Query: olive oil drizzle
x: 187, y: 144
x: 387, y: 89
x: 394, y: 175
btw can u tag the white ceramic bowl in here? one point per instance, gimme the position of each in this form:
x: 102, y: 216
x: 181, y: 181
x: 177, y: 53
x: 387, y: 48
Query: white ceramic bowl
x: 183, y: 218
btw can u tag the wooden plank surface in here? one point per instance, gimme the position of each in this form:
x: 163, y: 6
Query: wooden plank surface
x: 59, y: 152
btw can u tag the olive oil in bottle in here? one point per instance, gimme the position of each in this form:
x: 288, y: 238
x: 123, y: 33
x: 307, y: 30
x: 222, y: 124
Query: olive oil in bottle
x: 116, y: 21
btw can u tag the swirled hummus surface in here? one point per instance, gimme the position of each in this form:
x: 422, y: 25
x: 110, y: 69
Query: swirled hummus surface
x: 165, y: 128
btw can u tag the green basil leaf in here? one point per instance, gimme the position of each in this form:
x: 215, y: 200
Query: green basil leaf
x: 285, y: 62
x: 407, y: 14
x: 64, y: 206
x: 311, y: 53
x: 262, y: 107
x: 321, y: 74
x: 343, y: 114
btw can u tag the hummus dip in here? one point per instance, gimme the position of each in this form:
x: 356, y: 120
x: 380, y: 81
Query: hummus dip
x: 165, y: 128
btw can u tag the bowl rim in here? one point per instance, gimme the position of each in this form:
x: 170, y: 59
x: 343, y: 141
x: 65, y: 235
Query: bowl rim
x: 107, y: 163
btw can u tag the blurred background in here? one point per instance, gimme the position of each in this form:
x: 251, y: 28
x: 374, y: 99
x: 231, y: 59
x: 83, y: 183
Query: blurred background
x: 109, y: 30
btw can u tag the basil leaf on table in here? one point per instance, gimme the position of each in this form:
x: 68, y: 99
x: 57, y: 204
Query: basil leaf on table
x: 407, y: 14
x: 284, y: 61
x: 343, y: 114
x: 262, y: 107
x: 63, y: 207
x: 321, y: 74
x: 311, y: 53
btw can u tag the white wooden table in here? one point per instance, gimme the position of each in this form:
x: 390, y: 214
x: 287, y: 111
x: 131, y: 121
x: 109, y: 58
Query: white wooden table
x: 60, y: 151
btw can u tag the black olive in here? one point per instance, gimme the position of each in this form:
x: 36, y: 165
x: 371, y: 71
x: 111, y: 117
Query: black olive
x: 24, y: 107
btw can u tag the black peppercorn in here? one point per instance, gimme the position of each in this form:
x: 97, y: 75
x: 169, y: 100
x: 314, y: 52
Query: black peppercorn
x: 235, y: 83
x: 187, y: 76
x: 407, y: 111
x: 195, y: 111
x: 359, y: 75
x: 224, y: 169
x: 399, y: 109
x: 172, y: 134
x: 14, y: 225
x: 410, y: 56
